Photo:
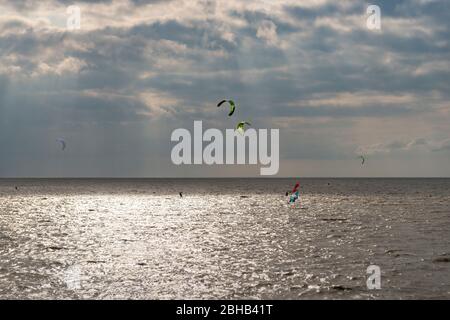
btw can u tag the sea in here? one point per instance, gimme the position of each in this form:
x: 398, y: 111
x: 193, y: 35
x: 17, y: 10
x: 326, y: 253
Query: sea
x: 224, y: 239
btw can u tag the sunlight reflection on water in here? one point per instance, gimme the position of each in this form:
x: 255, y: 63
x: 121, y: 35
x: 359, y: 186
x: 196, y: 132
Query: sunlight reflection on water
x: 134, y: 240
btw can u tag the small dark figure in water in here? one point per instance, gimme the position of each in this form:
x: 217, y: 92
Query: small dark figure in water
x: 287, y: 193
x: 16, y: 188
x: 181, y: 194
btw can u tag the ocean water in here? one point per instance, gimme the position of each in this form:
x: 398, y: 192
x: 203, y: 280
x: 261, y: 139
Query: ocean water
x: 224, y: 239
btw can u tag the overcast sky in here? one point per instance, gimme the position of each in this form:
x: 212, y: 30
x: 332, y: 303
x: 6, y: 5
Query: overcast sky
x: 137, y: 70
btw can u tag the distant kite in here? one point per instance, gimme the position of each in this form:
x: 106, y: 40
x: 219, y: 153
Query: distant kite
x: 240, y: 126
x: 63, y: 143
x: 232, y: 106
x: 362, y: 159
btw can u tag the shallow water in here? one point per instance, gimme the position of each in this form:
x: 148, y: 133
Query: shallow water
x: 137, y: 239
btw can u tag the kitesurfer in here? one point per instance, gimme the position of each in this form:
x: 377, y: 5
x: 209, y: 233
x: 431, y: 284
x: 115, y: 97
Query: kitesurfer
x: 295, y: 194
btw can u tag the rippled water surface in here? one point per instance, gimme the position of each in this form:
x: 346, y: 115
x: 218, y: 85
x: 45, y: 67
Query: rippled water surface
x: 229, y: 238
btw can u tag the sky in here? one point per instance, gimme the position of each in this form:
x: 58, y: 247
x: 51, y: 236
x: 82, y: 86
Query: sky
x: 136, y: 70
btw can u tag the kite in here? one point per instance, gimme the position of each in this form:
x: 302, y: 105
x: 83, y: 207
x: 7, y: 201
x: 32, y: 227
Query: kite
x: 63, y: 143
x: 363, y: 159
x: 240, y: 126
x: 232, y: 106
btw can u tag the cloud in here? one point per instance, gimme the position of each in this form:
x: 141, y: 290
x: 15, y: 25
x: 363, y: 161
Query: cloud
x: 442, y: 146
x: 267, y: 31
x: 406, y: 146
x: 310, y: 67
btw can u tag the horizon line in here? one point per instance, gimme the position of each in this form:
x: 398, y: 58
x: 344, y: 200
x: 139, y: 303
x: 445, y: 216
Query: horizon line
x: 235, y: 177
